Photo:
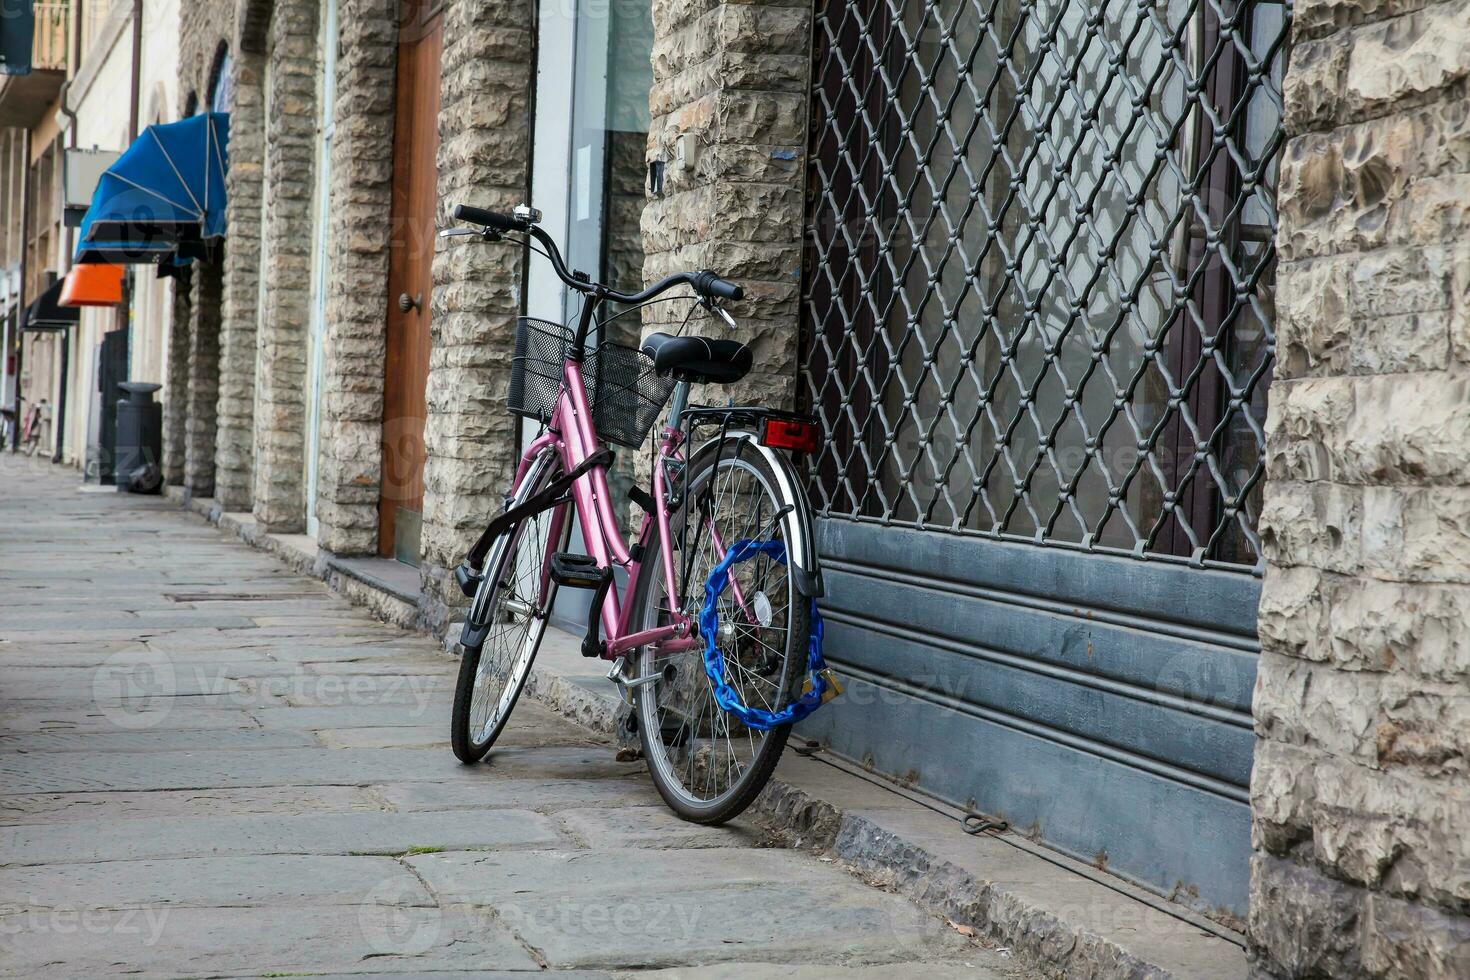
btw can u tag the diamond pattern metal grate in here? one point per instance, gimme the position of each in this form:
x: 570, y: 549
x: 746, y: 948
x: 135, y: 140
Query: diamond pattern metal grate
x: 1039, y: 272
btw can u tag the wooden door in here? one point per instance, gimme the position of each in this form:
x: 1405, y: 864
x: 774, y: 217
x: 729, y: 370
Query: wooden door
x: 410, y: 278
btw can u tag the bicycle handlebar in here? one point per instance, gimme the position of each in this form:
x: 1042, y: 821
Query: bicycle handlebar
x: 490, y: 219
x: 704, y: 282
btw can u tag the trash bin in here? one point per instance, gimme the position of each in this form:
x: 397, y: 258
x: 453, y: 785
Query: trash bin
x: 139, y: 439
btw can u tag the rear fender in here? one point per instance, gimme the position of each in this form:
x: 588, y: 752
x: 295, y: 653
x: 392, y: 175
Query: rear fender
x: 801, y: 546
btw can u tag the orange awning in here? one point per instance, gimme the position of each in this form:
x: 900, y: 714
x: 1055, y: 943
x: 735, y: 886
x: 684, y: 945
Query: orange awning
x: 93, y: 285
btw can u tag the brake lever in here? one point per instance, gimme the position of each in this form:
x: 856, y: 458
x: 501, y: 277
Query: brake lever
x: 714, y: 307
x: 460, y: 232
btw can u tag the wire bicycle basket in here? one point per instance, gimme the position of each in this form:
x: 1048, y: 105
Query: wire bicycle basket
x: 625, y: 394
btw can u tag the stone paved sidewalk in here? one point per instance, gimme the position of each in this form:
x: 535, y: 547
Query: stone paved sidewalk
x: 210, y: 766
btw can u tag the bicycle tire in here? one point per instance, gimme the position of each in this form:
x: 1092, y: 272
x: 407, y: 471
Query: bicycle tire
x: 472, y: 737
x: 736, y: 797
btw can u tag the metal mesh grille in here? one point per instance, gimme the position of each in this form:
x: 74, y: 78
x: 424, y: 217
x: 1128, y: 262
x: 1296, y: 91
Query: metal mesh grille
x: 1039, y: 283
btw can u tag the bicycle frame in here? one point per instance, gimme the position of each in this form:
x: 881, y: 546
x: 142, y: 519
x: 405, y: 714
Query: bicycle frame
x: 573, y: 436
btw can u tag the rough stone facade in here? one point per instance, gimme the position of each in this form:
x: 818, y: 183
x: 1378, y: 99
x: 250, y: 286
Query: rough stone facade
x: 282, y: 335
x: 257, y: 363
x: 240, y: 271
x: 484, y: 155
x: 235, y: 454
x: 204, y: 27
x: 176, y: 387
x: 734, y: 77
x: 357, y: 281
x: 199, y: 427
x: 1361, y: 785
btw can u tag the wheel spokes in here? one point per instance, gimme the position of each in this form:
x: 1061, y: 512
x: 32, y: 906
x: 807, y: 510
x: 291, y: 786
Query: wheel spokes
x: 706, y: 748
x: 515, y: 628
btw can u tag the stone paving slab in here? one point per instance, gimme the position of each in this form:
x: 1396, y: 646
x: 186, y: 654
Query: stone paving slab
x: 128, y: 713
x: 258, y: 784
x: 435, y: 731
x: 404, y: 664
x: 172, y: 942
x: 651, y: 826
x: 334, y: 690
x: 72, y: 717
x: 542, y: 793
x: 206, y: 769
x: 167, y: 805
x: 477, y: 974
x: 335, y: 651
x: 435, y: 735
x: 217, y: 881
x: 788, y: 921
x: 352, y: 832
x: 205, y: 671
x: 59, y: 655
x: 702, y: 910
x: 21, y: 624
x: 168, y: 740
x: 490, y: 878
x: 99, y: 686
x: 283, y: 643
x: 927, y: 970
x: 319, y: 717
x: 401, y: 737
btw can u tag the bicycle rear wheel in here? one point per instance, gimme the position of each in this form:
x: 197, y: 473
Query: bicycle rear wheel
x: 708, y: 766
x: 515, y: 599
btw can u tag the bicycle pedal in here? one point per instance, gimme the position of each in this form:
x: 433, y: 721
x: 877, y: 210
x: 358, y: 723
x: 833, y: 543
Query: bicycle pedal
x: 576, y: 571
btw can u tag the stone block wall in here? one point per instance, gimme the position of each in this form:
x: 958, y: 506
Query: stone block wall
x: 235, y: 454
x: 203, y: 28
x: 175, y: 393
x: 350, y: 460
x: 203, y: 395
x: 734, y: 77
x: 1361, y: 786
x: 484, y: 157
x: 282, y: 334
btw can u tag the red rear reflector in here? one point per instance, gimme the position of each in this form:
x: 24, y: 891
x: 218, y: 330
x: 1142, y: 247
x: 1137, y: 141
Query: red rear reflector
x: 800, y: 437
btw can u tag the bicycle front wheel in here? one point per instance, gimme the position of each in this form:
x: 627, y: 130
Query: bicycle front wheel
x: 708, y: 766
x: 515, y: 599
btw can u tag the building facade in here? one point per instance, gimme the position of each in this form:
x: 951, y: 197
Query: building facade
x: 1360, y: 783
x: 1137, y: 336
x: 100, y: 70
x: 34, y: 245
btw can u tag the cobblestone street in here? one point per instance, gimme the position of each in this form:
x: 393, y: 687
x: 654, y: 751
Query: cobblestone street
x: 214, y: 767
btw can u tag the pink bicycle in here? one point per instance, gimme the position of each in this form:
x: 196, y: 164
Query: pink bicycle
x: 714, y: 636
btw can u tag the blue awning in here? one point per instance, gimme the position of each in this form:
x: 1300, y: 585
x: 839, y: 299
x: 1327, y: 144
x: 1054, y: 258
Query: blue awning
x: 164, y: 198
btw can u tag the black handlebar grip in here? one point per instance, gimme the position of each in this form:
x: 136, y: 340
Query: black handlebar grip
x: 709, y: 284
x: 490, y: 219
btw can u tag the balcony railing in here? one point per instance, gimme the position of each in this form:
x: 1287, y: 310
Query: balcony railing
x: 49, y: 49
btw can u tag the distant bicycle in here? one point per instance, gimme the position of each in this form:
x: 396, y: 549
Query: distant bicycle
x: 714, y: 639
x: 30, y: 433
